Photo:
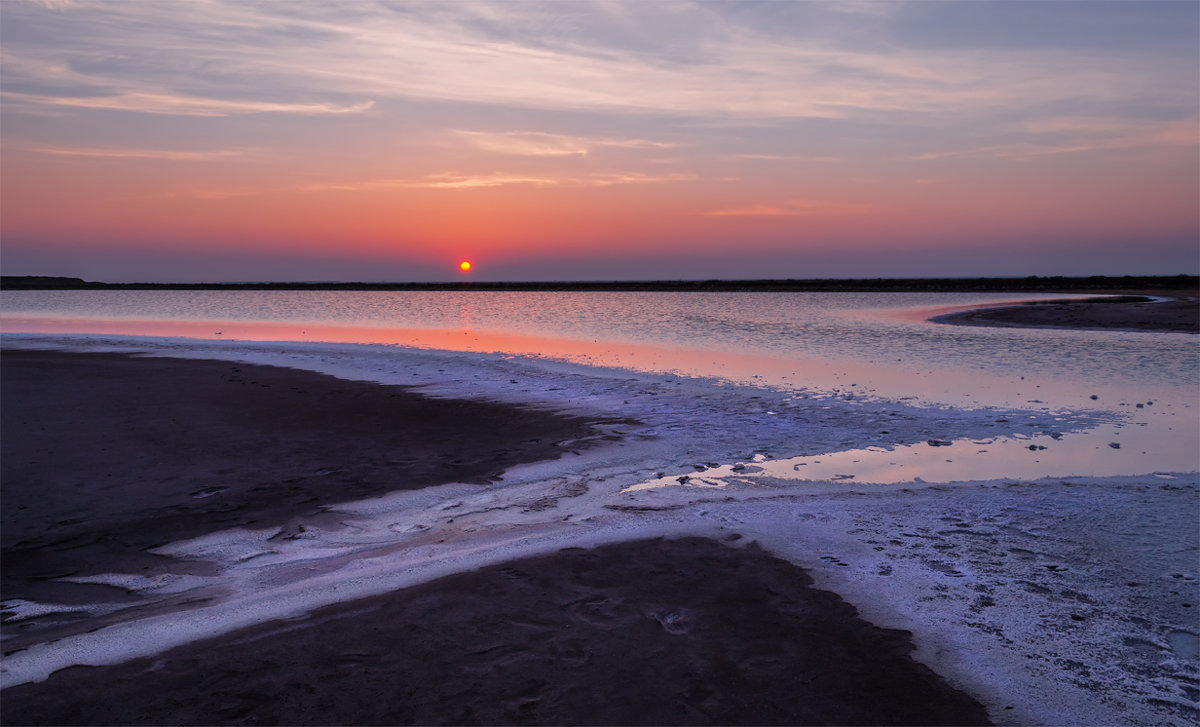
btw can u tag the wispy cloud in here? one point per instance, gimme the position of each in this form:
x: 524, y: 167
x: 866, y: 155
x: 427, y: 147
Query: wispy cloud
x: 532, y: 143
x: 475, y: 181
x: 793, y: 208
x: 327, y: 59
x: 1080, y: 135
x: 437, y: 181
x: 130, y: 153
x: 159, y: 103
x: 783, y: 158
x: 867, y: 7
x: 210, y: 193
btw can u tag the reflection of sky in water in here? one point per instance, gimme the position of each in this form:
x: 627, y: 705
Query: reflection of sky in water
x: 854, y: 345
x: 961, y: 460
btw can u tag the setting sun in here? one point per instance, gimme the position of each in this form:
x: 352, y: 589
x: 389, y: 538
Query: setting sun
x: 465, y: 266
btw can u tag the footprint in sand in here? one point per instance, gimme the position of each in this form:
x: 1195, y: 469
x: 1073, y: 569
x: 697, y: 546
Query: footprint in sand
x: 1185, y: 644
x: 943, y: 567
x: 672, y: 621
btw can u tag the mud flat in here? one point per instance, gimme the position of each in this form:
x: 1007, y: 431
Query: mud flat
x: 1178, y: 313
x: 683, y: 631
x: 106, y: 456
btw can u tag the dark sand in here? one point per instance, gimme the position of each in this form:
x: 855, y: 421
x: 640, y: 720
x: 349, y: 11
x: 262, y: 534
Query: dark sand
x: 651, y: 632
x: 105, y: 455
x: 1125, y: 312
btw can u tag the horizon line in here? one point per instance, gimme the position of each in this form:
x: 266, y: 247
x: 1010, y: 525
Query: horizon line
x: 1180, y: 280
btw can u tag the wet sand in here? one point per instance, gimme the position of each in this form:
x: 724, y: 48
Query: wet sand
x: 683, y: 631
x: 105, y: 456
x: 1132, y: 312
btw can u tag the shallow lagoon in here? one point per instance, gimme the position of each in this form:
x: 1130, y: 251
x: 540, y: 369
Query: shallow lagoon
x: 855, y: 346
x: 899, y: 460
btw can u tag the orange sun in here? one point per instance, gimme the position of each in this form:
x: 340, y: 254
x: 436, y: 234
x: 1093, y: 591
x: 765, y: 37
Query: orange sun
x: 465, y: 266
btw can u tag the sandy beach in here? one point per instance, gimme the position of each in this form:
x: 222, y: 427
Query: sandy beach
x: 107, y: 456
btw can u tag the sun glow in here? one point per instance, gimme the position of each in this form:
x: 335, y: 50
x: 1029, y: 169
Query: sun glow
x: 465, y: 266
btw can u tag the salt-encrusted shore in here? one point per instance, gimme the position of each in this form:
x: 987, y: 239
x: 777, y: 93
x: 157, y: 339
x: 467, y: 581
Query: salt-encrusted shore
x: 1051, y: 600
x: 683, y: 631
x: 107, y: 457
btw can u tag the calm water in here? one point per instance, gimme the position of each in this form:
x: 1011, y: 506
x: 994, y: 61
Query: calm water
x: 866, y: 346
x: 884, y: 329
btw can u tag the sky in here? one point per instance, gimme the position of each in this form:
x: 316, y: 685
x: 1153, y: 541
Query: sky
x: 238, y: 140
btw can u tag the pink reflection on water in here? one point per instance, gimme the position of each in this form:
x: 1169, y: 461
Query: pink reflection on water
x: 1158, y: 437
x: 640, y: 356
x: 963, y: 460
x: 846, y: 377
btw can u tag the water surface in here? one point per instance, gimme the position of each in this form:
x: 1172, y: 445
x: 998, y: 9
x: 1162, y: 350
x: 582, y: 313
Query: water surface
x: 855, y: 346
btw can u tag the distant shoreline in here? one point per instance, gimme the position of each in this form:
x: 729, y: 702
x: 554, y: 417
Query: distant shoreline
x: 1055, y: 284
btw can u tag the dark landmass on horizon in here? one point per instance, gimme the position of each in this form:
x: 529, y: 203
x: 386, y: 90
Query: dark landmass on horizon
x: 1059, y: 284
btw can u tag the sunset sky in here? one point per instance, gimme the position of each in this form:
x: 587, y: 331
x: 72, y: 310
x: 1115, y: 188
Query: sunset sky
x: 226, y: 140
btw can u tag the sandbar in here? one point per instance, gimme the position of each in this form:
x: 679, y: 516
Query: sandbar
x: 1179, y: 313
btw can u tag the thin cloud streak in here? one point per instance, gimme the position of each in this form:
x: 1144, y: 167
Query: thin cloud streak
x: 467, y: 181
x: 375, y: 53
x: 794, y: 209
x: 163, y: 154
x: 783, y: 158
x: 531, y: 143
x: 158, y: 103
x: 1095, y: 136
